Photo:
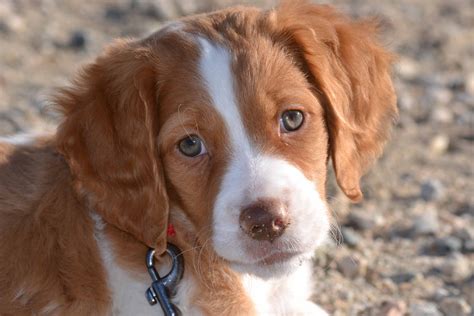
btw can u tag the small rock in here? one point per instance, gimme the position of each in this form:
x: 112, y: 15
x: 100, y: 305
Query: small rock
x: 350, y: 236
x: 431, y: 190
x: 157, y: 9
x: 457, y: 84
x: 4, y: 28
x: 408, y: 68
x: 439, y: 294
x: 469, y: 84
x: 345, y: 294
x: 455, y: 268
x: 78, y: 40
x: 402, y: 277
x: 440, y: 144
x: 425, y: 224
x: 424, y: 309
x: 468, y: 246
x: 464, y: 234
x: 114, y: 13
x: 443, y: 115
x: 360, y: 221
x: 454, y: 306
x: 443, y: 246
x: 15, y: 23
x: 372, y: 275
x: 467, y: 289
x: 465, y: 209
x: 406, y: 101
x: 388, y: 286
x: 467, y: 239
x: 440, y: 95
x: 388, y: 308
x: 350, y: 267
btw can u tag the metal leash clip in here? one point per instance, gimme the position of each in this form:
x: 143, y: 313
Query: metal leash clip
x: 163, y: 288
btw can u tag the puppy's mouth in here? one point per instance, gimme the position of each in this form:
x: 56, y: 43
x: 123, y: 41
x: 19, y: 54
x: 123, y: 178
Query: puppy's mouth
x: 278, y: 257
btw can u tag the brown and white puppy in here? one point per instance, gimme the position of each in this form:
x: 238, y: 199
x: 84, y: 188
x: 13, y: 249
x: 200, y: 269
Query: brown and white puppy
x: 221, y: 124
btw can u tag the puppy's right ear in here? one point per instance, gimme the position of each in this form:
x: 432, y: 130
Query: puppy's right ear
x: 352, y: 70
x: 108, y: 138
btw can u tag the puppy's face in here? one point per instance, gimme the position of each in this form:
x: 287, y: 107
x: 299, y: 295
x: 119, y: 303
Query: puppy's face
x: 244, y: 147
x: 231, y: 118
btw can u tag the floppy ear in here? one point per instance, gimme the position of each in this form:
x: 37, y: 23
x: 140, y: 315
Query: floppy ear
x: 352, y: 71
x: 108, y: 139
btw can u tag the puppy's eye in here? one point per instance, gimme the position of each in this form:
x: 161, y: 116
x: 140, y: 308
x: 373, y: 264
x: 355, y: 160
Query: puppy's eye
x: 192, y: 146
x: 291, y: 120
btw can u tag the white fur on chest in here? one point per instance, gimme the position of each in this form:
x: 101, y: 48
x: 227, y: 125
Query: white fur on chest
x: 128, y: 290
x: 288, y: 295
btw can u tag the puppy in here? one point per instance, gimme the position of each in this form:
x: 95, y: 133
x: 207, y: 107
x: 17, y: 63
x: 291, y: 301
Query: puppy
x: 216, y: 129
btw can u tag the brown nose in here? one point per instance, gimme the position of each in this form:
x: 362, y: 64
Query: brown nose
x: 264, y: 220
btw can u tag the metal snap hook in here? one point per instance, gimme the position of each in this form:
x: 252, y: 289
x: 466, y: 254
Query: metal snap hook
x: 163, y: 288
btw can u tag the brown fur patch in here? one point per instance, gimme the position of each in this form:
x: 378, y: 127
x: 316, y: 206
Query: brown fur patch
x: 49, y: 261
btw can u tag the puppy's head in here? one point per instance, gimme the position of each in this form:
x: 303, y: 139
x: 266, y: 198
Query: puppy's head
x: 231, y: 118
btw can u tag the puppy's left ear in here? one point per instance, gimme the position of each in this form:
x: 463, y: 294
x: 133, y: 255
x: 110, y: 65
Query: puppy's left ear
x: 351, y: 72
x: 108, y: 138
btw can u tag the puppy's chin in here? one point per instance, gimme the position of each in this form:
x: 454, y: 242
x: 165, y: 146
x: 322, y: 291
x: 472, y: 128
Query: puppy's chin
x: 273, y: 268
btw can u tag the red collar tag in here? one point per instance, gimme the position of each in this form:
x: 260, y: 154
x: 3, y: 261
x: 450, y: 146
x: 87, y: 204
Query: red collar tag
x: 170, y: 231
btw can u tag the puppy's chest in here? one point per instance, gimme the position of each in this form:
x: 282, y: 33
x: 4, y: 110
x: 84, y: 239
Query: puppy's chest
x: 128, y: 294
x: 127, y: 290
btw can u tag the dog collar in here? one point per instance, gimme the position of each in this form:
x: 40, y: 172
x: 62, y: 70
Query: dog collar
x: 163, y: 288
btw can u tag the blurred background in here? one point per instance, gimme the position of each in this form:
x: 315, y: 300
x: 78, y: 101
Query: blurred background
x: 408, y: 249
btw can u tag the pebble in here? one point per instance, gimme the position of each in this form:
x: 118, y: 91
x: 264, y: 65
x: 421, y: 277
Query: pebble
x: 406, y: 101
x: 360, y: 221
x: 425, y: 224
x: 455, y: 268
x: 158, y: 9
x: 114, y: 13
x: 350, y: 267
x: 467, y: 289
x: 431, y: 189
x: 408, y: 68
x: 14, y: 23
x: 443, y: 246
x: 424, y: 309
x: 469, y: 84
x: 468, y: 246
x: 440, y: 96
x: 442, y: 115
x: 390, y: 308
x: 439, y: 294
x: 78, y: 40
x: 465, y: 209
x: 467, y: 240
x: 350, y: 237
x: 454, y: 306
x: 4, y: 29
x: 402, y: 277
x: 439, y: 144
x: 464, y: 234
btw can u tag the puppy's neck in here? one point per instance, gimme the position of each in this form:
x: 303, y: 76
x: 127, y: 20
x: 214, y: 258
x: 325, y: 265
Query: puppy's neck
x: 211, y: 285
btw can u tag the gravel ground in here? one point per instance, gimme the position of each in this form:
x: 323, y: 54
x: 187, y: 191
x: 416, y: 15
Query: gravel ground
x: 408, y: 249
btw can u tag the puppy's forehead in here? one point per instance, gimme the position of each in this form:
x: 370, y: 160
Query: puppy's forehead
x: 231, y: 62
x: 215, y: 66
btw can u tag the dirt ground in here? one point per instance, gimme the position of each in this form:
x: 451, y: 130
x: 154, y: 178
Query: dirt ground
x: 409, y: 247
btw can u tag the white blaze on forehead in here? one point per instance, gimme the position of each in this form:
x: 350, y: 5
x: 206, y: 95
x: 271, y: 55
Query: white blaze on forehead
x: 215, y: 66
